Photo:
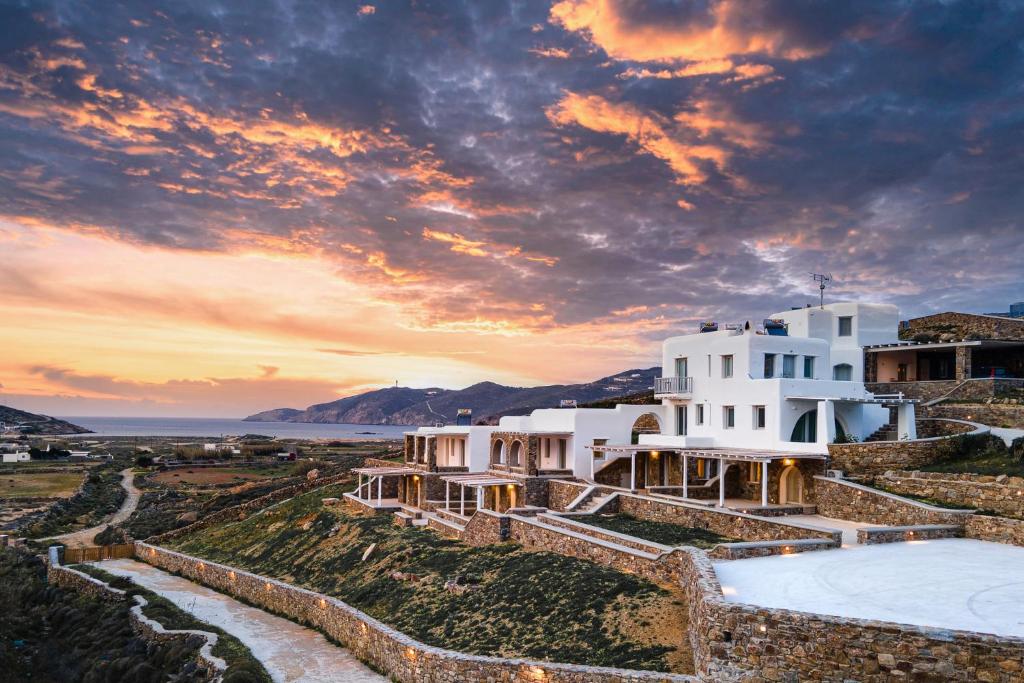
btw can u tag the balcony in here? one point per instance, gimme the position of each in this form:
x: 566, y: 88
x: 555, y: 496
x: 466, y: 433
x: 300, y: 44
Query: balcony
x: 673, y: 387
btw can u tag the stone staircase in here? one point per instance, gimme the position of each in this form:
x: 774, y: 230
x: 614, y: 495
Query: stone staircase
x: 887, y: 432
x: 594, y: 502
x: 582, y: 528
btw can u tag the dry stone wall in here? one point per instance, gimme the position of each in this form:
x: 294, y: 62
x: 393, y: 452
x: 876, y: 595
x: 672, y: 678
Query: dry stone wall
x: 1001, y: 494
x: 843, y: 499
x: 996, y: 529
x: 723, y: 522
x: 403, y: 659
x: 562, y: 493
x: 877, y: 457
x: 1007, y: 415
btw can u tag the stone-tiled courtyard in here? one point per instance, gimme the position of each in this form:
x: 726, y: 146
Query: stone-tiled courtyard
x: 952, y: 583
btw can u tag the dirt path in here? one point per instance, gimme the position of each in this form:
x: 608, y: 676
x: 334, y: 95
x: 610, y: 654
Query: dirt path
x: 288, y: 651
x: 80, y: 539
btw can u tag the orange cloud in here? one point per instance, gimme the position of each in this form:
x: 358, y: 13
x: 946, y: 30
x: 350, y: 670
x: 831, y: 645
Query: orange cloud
x: 461, y: 245
x: 726, y: 30
x: 648, y: 131
x: 553, y: 52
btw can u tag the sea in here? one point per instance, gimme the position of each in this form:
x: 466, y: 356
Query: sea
x: 212, y: 427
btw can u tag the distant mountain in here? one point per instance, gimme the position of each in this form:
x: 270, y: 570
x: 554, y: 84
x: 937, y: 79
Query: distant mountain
x: 404, y: 406
x: 30, y: 423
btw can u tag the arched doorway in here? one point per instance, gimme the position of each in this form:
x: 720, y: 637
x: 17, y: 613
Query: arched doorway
x: 498, y: 453
x: 791, y: 486
x: 515, y: 458
x: 806, y: 429
x: 648, y: 423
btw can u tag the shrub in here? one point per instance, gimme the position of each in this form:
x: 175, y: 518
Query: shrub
x: 1017, y: 449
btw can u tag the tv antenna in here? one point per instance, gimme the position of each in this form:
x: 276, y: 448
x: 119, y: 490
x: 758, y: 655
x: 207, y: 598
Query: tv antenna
x: 822, y: 280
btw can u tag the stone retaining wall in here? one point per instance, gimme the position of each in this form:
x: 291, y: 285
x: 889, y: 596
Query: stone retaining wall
x: 996, y: 529
x: 561, y: 493
x: 843, y: 499
x: 403, y: 658
x: 144, y: 627
x: 991, y: 414
x: 1001, y: 494
x: 877, y: 457
x: 65, y: 577
x: 744, y: 551
x: 724, y: 522
x: 902, y: 534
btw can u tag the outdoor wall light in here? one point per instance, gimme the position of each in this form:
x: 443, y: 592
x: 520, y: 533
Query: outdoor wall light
x: 231, y: 575
x: 267, y: 586
x: 787, y: 462
x: 762, y: 628
x: 201, y: 566
x: 410, y: 654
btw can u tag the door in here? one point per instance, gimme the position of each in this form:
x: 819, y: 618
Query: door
x: 681, y: 367
x: 791, y: 486
x: 681, y: 420
x: 901, y: 372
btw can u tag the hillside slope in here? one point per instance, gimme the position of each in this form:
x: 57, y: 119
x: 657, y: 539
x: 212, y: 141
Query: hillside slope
x: 30, y: 423
x: 404, y: 406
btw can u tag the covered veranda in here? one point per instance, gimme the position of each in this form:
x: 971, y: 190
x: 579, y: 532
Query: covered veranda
x: 759, y: 462
x: 480, y: 481
x: 372, y: 490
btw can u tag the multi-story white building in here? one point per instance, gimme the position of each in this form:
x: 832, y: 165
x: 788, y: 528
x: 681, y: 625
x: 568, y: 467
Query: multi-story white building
x: 795, y: 386
x: 745, y: 412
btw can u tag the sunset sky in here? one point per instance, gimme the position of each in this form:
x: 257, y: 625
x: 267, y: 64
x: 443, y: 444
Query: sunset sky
x: 212, y: 208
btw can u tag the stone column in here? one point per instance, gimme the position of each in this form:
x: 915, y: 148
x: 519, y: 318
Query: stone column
x: 963, y: 363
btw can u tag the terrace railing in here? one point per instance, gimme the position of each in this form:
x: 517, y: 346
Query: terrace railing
x: 673, y: 386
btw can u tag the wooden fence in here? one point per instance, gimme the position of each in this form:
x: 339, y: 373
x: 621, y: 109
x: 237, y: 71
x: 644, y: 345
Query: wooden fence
x: 95, y: 553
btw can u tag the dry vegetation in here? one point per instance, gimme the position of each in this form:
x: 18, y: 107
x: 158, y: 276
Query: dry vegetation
x: 495, y: 600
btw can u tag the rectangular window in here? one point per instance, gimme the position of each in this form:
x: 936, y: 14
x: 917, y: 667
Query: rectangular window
x: 769, y: 365
x: 846, y: 326
x: 809, y: 367
x: 759, y: 417
x: 700, y: 413
x: 726, y: 366
x: 728, y: 417
x: 681, y: 420
x: 789, y: 366
x: 563, y: 447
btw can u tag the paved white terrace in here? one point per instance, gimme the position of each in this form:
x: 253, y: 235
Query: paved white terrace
x: 288, y: 651
x: 949, y: 583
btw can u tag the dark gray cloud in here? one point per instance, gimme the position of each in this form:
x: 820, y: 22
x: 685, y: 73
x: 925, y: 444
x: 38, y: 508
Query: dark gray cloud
x: 417, y: 146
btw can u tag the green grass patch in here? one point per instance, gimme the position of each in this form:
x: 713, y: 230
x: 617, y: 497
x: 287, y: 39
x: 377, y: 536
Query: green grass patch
x: 41, y: 485
x: 656, y: 532
x: 242, y: 665
x: 506, y: 601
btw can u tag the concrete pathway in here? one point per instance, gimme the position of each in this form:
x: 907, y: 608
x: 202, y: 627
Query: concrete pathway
x: 80, y: 539
x: 954, y: 583
x: 288, y: 651
x: 848, y: 528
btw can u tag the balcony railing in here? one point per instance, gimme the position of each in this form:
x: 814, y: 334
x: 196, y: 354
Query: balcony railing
x: 673, y: 386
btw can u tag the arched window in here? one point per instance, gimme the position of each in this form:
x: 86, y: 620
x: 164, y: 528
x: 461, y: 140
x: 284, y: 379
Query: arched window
x: 806, y: 428
x: 515, y: 458
x: 498, y: 452
x: 843, y: 372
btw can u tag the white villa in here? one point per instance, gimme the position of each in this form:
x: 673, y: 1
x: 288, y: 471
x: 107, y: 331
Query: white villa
x: 745, y: 419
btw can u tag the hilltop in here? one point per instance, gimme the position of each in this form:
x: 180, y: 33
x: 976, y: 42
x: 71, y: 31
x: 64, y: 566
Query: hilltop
x: 405, y: 406
x: 30, y: 423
